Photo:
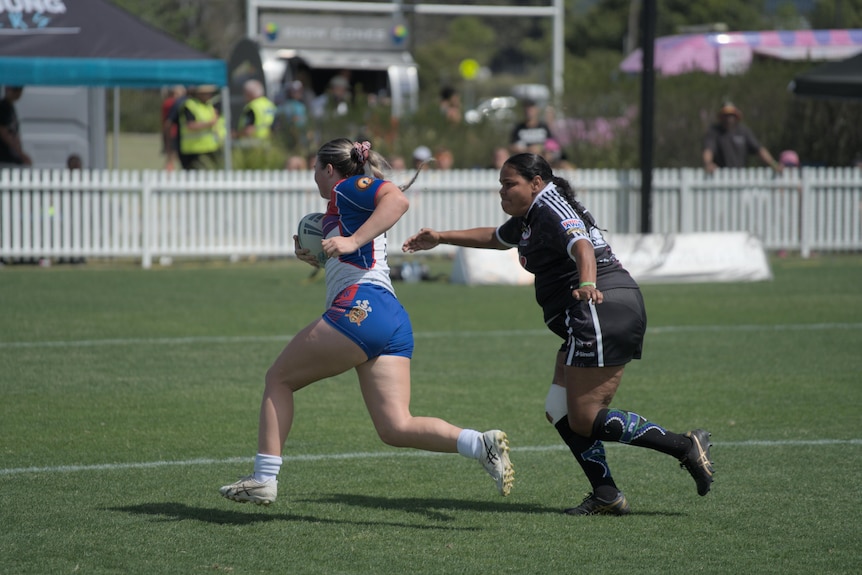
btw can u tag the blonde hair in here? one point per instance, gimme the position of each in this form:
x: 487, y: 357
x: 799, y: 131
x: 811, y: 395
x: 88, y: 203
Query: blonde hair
x: 357, y: 158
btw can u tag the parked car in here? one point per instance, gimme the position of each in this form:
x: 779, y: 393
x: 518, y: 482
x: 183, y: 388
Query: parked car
x: 497, y: 109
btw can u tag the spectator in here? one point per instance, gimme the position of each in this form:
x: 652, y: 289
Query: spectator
x: 74, y: 162
x: 11, y: 151
x: 397, y: 163
x: 789, y: 159
x: 444, y: 158
x: 173, y: 97
x: 728, y: 143
x: 199, y: 139
x: 254, y: 126
x: 335, y: 101
x: 295, y: 164
x: 450, y: 105
x: 531, y: 134
x: 421, y: 155
x: 292, y: 116
x: 498, y: 158
x: 554, y: 155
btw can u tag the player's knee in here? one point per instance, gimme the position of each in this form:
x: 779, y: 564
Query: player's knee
x: 555, y: 404
x: 271, y: 377
x: 581, y: 423
x: 278, y: 377
x: 392, y: 436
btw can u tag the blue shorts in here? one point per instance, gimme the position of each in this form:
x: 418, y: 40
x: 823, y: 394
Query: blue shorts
x: 373, y: 318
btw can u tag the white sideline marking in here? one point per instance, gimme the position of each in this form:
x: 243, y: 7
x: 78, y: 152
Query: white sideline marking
x: 381, y: 454
x: 417, y: 335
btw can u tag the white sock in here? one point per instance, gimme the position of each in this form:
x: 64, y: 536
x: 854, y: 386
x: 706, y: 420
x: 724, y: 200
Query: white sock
x: 266, y: 467
x: 470, y: 444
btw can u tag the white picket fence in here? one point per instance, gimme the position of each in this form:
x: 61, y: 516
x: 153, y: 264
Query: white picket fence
x: 210, y: 214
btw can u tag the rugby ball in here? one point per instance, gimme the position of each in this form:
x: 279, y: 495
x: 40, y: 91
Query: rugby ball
x: 310, y: 235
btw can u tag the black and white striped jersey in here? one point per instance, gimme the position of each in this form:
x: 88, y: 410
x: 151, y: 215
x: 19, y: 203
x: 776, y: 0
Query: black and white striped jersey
x: 544, y: 238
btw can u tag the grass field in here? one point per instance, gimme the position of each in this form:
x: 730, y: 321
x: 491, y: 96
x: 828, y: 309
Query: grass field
x: 130, y: 396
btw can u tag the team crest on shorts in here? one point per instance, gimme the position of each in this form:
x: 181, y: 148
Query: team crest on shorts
x: 359, y: 312
x: 364, y: 182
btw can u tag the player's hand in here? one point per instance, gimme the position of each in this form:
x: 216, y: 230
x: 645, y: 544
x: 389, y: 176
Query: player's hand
x: 304, y: 254
x: 426, y: 239
x: 588, y: 294
x: 339, y: 246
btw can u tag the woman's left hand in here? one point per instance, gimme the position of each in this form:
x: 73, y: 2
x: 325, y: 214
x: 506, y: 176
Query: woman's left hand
x: 304, y: 254
x: 588, y: 293
x: 339, y: 246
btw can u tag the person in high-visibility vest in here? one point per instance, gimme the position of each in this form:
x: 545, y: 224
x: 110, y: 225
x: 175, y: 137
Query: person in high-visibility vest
x: 198, y: 129
x: 255, y: 122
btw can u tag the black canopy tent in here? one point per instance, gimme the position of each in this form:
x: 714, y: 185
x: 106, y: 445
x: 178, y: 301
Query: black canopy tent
x: 93, y: 43
x: 841, y: 79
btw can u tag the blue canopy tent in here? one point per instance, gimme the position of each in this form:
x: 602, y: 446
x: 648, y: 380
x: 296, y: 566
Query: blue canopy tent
x: 94, y: 43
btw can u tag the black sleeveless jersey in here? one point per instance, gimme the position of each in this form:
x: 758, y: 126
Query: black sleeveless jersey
x: 544, y: 238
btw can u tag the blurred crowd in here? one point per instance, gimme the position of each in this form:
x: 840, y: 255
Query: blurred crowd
x: 285, y: 131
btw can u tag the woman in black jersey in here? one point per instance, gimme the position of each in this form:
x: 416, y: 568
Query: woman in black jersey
x: 594, y: 305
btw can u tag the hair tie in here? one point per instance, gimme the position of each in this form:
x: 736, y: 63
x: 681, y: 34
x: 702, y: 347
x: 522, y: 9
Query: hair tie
x: 362, y: 148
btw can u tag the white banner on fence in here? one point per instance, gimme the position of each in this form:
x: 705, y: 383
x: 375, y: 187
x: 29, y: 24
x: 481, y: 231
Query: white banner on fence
x: 650, y: 258
x: 691, y: 258
x: 489, y: 267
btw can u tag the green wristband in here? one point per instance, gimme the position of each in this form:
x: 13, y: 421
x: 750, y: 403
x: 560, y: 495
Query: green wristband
x: 587, y: 284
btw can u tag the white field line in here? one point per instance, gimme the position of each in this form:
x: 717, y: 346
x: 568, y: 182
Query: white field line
x: 417, y: 335
x: 300, y: 458
x: 383, y: 454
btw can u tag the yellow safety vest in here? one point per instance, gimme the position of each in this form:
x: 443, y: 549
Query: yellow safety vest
x: 200, y: 141
x: 264, y: 116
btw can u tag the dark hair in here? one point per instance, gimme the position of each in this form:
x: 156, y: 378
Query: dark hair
x: 447, y: 92
x: 529, y: 166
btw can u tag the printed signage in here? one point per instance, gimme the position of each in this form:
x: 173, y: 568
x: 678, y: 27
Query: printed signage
x: 331, y: 32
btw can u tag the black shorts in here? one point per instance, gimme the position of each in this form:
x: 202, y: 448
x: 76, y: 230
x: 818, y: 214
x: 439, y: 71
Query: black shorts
x: 611, y: 333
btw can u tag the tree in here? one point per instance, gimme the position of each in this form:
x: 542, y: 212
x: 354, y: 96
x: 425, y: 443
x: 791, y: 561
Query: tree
x: 605, y: 26
x: 465, y: 37
x: 211, y: 26
x: 837, y: 14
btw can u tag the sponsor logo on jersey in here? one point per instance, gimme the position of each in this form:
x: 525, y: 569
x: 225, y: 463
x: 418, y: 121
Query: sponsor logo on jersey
x: 574, y: 226
x: 364, y: 182
x: 359, y: 312
x: 526, y: 232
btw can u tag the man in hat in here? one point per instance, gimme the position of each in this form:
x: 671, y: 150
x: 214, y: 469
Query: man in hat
x: 199, y: 129
x: 728, y: 143
x: 11, y: 152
